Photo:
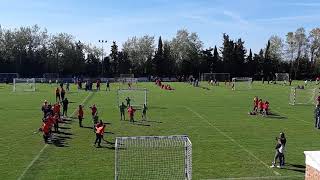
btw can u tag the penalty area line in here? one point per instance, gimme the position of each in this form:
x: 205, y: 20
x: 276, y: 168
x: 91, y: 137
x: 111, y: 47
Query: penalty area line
x: 46, y: 145
x: 231, y: 139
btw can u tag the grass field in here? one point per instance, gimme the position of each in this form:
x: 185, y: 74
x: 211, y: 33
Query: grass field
x: 226, y: 142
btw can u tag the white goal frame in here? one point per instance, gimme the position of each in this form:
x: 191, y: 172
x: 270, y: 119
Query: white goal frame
x: 242, y: 79
x: 126, y: 75
x: 282, y: 77
x: 295, y: 92
x: 215, y: 76
x: 29, y: 84
x: 130, y: 94
x: 142, y: 152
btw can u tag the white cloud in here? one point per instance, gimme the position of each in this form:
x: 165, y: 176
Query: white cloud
x: 235, y: 17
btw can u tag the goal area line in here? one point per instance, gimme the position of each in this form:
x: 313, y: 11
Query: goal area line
x: 257, y: 177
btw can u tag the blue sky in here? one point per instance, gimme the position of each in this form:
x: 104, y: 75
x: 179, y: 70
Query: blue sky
x: 90, y: 20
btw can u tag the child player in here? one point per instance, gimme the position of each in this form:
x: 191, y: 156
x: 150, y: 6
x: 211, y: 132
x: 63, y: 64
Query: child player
x: 122, y: 108
x: 131, y: 112
x: 255, y: 103
x: 260, y: 105
x: 128, y: 101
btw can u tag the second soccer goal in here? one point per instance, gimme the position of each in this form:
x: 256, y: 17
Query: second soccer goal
x: 138, y: 97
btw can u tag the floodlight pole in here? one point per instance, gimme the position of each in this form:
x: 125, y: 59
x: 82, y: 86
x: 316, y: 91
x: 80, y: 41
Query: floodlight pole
x: 102, y: 60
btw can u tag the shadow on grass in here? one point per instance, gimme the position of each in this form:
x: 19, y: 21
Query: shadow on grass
x: 64, y: 128
x: 152, y: 121
x: 296, y: 168
x: 137, y: 123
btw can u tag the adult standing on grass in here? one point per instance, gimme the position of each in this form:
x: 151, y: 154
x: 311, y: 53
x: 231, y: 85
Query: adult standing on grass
x: 122, y: 107
x: 62, y: 93
x: 144, y: 112
x: 80, y: 115
x: 280, y: 148
x: 65, y: 104
x: 108, y: 85
x: 317, y: 117
x: 58, y: 98
x: 94, y: 114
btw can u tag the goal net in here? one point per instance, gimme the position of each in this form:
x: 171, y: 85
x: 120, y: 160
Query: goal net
x: 138, y: 97
x: 239, y: 83
x: 220, y: 77
x: 8, y: 77
x: 128, y: 80
x: 282, y: 77
x: 126, y: 75
x: 24, y: 84
x: 303, y: 96
x: 153, y: 158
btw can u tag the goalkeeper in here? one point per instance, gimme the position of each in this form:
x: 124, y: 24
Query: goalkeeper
x: 144, y: 112
x: 122, y: 108
x: 128, y: 100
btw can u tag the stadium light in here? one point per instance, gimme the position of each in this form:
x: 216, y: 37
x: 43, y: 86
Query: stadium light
x: 102, y: 42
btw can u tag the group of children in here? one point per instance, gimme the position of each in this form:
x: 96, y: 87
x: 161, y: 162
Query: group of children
x: 260, y: 107
x: 159, y: 83
x: 131, y: 111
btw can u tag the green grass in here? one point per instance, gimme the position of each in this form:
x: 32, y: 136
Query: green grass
x: 226, y: 141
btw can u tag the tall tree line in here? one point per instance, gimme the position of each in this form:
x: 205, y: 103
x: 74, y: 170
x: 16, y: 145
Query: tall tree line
x: 32, y: 51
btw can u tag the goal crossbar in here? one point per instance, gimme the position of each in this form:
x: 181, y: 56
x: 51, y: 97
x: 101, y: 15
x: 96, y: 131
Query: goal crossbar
x: 153, y: 157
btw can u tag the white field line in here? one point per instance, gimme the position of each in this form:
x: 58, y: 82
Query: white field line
x: 263, y: 177
x: 45, y: 146
x: 231, y: 139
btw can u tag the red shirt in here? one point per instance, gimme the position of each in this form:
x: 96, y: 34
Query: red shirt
x: 45, y: 128
x: 131, y: 111
x: 56, y: 108
x: 93, y: 110
x: 100, y: 130
x: 266, y: 106
x: 261, y: 104
x: 80, y: 112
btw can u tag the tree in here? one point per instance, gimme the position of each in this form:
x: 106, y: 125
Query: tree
x: 158, y: 64
x: 314, y: 39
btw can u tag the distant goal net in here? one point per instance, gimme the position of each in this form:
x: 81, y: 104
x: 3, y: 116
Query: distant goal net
x: 24, y: 84
x: 303, y: 96
x: 153, y: 158
x: 8, y: 77
x: 138, y: 97
x: 219, y: 77
x: 282, y: 77
x: 241, y: 83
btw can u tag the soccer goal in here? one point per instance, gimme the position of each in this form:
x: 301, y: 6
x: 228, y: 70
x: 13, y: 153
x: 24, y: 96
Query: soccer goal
x: 24, y: 84
x: 153, y: 158
x: 126, y: 75
x: 282, y: 77
x: 220, y: 77
x: 138, y: 97
x: 303, y: 96
x: 239, y: 83
x: 8, y: 76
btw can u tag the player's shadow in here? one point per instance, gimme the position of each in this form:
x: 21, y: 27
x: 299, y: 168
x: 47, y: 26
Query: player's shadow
x: 60, y: 141
x: 139, y: 123
x: 276, y: 116
x: 64, y: 128
x: 295, y: 167
x: 152, y: 121
x: 205, y: 88
x: 65, y: 133
x: 88, y: 127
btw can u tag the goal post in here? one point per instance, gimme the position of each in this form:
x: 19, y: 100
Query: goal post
x: 303, y: 96
x: 24, y: 84
x: 138, y: 97
x: 241, y: 83
x: 220, y: 77
x: 153, y: 158
x: 282, y: 77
